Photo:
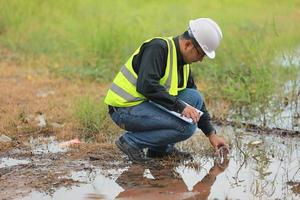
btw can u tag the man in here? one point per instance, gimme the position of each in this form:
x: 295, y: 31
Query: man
x: 159, y: 72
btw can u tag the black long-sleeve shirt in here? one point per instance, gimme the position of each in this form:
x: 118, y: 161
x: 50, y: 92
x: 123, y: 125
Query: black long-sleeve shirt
x: 150, y: 65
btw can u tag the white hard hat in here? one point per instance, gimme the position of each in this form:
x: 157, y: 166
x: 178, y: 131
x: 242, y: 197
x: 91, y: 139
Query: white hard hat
x: 207, y: 33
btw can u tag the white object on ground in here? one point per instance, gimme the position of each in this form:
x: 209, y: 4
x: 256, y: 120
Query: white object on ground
x: 147, y: 174
x: 4, y: 138
x: 9, y: 162
x: 42, y: 120
x: 255, y: 142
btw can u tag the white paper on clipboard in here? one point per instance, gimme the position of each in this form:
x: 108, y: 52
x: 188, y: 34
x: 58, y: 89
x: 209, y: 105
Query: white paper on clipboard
x: 176, y: 114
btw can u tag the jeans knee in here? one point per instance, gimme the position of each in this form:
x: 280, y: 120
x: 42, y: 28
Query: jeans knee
x: 196, y: 95
x: 189, y: 130
x: 192, y: 96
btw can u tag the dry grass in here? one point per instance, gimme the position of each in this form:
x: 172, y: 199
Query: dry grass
x: 26, y: 93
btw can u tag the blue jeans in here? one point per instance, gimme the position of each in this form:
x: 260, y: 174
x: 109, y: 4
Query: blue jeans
x: 148, y: 126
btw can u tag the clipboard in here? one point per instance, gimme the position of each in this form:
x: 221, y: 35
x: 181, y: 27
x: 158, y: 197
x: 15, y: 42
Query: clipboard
x: 176, y: 114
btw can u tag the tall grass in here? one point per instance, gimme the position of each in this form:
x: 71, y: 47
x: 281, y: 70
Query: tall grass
x: 92, y: 39
x: 246, y: 77
x: 89, y: 115
x: 93, y: 120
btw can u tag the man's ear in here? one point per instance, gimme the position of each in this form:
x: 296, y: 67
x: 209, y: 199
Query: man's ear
x: 185, y: 44
x: 188, y: 44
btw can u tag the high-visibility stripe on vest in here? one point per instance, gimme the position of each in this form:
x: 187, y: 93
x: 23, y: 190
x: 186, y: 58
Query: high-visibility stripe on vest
x: 122, y: 92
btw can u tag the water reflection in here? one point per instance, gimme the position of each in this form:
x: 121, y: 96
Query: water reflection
x: 162, y: 180
x: 260, y: 167
x: 10, y: 162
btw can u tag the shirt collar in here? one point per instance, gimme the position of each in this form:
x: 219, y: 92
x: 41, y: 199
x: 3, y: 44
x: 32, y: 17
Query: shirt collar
x: 179, y: 55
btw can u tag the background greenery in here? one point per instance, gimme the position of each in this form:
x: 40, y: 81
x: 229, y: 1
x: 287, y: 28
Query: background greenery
x: 91, y: 39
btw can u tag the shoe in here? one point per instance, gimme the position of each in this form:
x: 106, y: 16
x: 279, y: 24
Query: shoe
x: 174, y: 152
x: 135, y: 154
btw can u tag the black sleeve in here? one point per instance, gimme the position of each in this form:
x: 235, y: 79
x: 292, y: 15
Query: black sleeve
x: 204, y: 123
x: 151, y: 70
x: 191, y: 82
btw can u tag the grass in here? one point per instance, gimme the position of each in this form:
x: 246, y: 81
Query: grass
x: 89, y: 115
x: 93, y: 120
x: 92, y: 39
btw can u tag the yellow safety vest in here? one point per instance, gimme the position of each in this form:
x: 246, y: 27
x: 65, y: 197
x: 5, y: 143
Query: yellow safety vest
x: 122, y: 92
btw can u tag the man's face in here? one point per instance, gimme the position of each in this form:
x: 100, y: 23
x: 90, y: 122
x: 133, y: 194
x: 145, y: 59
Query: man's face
x: 192, y: 52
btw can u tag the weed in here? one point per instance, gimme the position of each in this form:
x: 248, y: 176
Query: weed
x: 94, y: 121
x: 89, y: 115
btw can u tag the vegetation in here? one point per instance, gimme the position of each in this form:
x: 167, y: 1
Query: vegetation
x: 93, y: 121
x: 92, y: 39
x: 89, y: 115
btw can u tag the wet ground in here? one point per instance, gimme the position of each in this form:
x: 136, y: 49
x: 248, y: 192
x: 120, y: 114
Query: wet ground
x: 258, y: 167
x: 34, y: 165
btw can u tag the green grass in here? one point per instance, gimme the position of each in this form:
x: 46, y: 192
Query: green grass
x: 91, y: 39
x: 89, y: 115
x: 93, y: 120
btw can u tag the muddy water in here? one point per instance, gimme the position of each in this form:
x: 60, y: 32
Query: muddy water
x: 46, y: 145
x: 259, y: 167
x: 101, y: 185
x: 9, y: 162
x: 289, y: 118
x: 287, y: 115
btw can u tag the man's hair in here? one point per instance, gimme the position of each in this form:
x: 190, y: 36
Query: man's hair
x: 187, y: 36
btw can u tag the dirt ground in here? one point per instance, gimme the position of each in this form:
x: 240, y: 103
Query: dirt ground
x: 26, y: 94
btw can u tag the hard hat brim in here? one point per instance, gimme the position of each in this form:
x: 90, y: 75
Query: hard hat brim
x: 211, y: 55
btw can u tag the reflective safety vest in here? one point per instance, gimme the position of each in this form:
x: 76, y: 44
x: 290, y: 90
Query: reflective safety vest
x: 122, y: 92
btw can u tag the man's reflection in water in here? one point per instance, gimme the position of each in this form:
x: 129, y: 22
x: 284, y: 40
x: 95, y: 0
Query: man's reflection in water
x: 167, y: 183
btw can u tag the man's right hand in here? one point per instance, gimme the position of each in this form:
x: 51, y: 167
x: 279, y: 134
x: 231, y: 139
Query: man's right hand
x: 192, y: 113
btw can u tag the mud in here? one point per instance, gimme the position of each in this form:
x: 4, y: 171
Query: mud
x: 42, y: 165
x: 259, y: 167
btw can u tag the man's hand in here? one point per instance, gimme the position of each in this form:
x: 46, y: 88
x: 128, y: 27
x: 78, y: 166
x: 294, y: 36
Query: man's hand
x: 192, y: 113
x: 217, y: 142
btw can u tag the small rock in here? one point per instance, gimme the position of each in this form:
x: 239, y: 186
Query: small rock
x: 95, y: 157
x: 255, y: 142
x: 4, y: 138
x: 42, y: 120
x: 57, y: 125
x: 147, y: 174
x: 44, y: 93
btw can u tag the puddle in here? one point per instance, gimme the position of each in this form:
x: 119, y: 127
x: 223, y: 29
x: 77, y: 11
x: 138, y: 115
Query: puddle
x: 47, y: 145
x: 286, y: 116
x: 289, y: 117
x: 9, y: 162
x: 99, y: 184
x: 259, y: 167
x: 289, y: 59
